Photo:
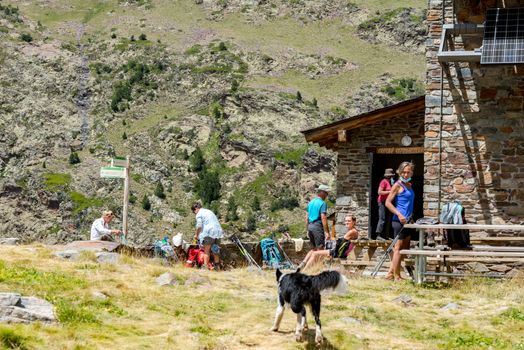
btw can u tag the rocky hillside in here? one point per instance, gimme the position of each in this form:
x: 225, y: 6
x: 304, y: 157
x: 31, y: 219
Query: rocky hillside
x: 207, y: 97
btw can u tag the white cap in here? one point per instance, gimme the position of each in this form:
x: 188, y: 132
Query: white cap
x: 324, y: 188
x: 178, y: 239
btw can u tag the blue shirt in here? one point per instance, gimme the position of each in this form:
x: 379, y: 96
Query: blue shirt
x: 404, y: 202
x: 316, y: 207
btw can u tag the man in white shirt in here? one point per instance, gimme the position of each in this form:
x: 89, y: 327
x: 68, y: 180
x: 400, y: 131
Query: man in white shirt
x: 208, y: 233
x: 100, y: 230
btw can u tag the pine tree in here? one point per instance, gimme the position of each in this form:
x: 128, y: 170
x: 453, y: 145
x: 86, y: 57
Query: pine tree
x: 232, y: 214
x: 197, y: 160
x: 299, y: 96
x: 315, y: 102
x: 251, y: 222
x: 146, y: 204
x: 124, y: 136
x: 159, y: 190
x: 74, y: 158
x: 207, y: 186
x: 255, y: 205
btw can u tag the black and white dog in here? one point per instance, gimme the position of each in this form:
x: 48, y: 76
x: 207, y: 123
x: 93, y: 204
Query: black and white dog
x: 296, y: 290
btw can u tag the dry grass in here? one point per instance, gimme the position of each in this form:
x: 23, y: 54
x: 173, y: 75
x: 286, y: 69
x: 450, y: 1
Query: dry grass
x: 234, y: 309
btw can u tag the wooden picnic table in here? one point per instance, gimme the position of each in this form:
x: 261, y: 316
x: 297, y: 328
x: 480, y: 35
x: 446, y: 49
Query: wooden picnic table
x: 421, y: 253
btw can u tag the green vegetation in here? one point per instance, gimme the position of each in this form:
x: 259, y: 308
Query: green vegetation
x: 146, y: 203
x: 10, y: 13
x: 74, y: 158
x: 121, y: 92
x: 286, y: 199
x: 255, y: 204
x: 56, y: 181
x: 232, y: 214
x: 10, y: 339
x: 26, y: 37
x: 159, y: 190
x: 81, y: 202
x: 197, y: 161
x: 292, y: 157
x: 402, y: 89
x: 207, y: 186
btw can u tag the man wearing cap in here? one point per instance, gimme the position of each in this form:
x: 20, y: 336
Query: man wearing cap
x: 100, y: 229
x: 384, y: 216
x: 316, y: 219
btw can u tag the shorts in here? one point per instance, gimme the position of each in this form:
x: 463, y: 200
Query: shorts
x: 316, y: 234
x: 397, y: 230
x: 210, y: 241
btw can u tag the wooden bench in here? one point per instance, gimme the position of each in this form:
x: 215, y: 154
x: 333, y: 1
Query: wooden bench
x: 479, y: 253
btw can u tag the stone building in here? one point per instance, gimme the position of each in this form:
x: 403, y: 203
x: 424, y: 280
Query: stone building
x: 467, y: 136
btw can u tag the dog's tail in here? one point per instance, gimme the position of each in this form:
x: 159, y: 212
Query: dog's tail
x: 330, y: 280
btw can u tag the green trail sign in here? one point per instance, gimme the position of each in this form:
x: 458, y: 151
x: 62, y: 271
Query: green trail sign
x: 115, y: 172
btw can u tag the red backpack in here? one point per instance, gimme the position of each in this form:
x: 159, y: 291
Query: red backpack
x: 195, y: 256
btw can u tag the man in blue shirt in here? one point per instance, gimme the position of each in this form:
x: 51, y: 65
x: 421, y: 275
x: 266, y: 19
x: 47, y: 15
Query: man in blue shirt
x: 316, y: 219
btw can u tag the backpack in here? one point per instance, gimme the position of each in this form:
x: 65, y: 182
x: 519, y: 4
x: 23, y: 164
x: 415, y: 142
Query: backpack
x: 451, y: 213
x: 163, y: 249
x: 195, y: 256
x: 270, y: 253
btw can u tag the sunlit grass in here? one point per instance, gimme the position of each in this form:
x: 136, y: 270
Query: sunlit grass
x: 234, y: 309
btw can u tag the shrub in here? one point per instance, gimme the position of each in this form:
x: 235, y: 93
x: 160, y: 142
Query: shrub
x: 314, y: 102
x: 132, y: 38
x: 26, y: 37
x: 299, y: 96
x: 113, y: 36
x: 124, y: 136
x: 146, y: 203
x: 142, y: 37
x: 232, y: 214
x: 251, y: 223
x: 159, y: 190
x: 197, y: 160
x: 234, y: 86
x: 132, y: 198
x: 287, y: 200
x: 255, y: 205
x: 121, y: 91
x: 207, y: 186
x: 222, y: 46
x: 73, y: 158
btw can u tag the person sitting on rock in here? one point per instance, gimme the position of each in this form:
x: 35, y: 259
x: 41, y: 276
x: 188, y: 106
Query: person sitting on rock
x: 340, y: 250
x: 100, y: 230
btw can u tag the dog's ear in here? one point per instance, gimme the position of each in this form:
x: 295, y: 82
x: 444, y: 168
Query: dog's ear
x: 279, y: 273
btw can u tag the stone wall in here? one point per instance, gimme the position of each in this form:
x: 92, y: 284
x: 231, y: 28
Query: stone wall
x: 353, y: 172
x: 482, y: 128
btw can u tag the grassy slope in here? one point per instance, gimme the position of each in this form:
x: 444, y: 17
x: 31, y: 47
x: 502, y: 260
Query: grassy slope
x: 234, y: 310
x: 177, y: 23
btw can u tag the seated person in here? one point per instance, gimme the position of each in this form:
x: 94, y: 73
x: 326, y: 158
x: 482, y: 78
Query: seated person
x: 342, y: 248
x: 100, y: 228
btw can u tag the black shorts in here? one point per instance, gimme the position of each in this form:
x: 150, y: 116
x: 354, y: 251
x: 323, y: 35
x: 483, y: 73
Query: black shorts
x: 315, y: 232
x: 397, y: 230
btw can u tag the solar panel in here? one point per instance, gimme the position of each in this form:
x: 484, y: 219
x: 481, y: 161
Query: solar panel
x: 503, y: 36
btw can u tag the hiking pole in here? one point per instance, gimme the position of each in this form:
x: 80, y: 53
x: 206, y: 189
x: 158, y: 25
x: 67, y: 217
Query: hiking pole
x: 251, y: 261
x: 385, y: 256
x: 288, y: 260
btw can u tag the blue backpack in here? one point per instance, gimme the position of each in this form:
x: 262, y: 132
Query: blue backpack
x: 270, y: 253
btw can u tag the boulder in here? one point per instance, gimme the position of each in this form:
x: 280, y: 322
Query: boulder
x: 99, y: 295
x: 477, y: 267
x: 107, y: 258
x: 450, y: 306
x: 17, y: 309
x: 68, y: 254
x: 10, y: 241
x: 404, y: 300
x: 500, y: 268
x: 167, y: 279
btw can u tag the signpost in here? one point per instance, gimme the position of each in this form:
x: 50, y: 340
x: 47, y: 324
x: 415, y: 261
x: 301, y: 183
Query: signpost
x: 119, y: 169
